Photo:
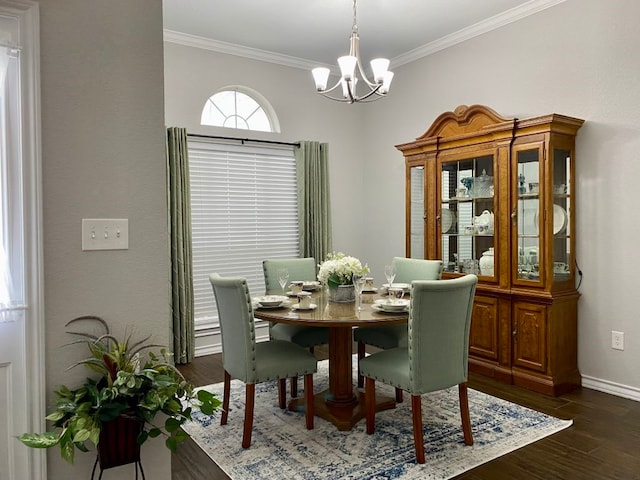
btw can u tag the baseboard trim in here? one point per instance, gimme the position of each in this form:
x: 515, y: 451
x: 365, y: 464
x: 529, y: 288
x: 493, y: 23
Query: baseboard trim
x: 612, y: 388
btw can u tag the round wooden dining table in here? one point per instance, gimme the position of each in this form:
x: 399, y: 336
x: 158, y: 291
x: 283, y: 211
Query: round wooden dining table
x: 341, y: 404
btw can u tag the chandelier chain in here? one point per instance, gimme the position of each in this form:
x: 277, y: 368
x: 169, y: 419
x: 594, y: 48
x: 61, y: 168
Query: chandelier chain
x: 354, y: 28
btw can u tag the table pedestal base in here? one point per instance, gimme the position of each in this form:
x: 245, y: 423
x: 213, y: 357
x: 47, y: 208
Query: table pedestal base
x: 344, y: 415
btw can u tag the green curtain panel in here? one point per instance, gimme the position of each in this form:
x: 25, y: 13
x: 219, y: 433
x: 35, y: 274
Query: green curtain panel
x: 314, y: 204
x: 180, y: 233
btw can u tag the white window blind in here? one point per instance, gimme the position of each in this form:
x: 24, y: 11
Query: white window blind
x: 243, y: 210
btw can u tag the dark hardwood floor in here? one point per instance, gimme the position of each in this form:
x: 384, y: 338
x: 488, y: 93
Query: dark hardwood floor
x: 603, y: 443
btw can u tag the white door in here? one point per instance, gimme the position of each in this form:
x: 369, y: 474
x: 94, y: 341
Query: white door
x: 21, y: 326
x: 13, y: 398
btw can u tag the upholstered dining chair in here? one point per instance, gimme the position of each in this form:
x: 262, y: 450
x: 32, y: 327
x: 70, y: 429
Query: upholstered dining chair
x: 253, y: 362
x: 308, y: 337
x: 391, y: 336
x: 436, y: 356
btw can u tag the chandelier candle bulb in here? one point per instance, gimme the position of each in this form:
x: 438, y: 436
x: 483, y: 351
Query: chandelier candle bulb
x: 379, y: 66
x: 321, y: 77
x: 388, y: 76
x: 347, y: 66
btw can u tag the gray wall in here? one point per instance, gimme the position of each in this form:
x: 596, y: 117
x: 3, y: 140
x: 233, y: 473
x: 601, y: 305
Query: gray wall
x: 103, y: 157
x: 576, y: 58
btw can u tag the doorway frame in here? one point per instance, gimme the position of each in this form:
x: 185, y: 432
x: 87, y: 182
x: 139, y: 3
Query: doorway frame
x: 28, y: 14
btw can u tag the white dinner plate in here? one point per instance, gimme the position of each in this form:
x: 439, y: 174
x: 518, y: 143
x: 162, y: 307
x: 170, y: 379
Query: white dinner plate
x: 257, y: 306
x: 559, y: 219
x: 296, y: 306
x: 531, y: 220
x: 270, y: 300
x: 392, y: 305
x: 448, y: 220
x: 378, y: 308
x: 405, y: 286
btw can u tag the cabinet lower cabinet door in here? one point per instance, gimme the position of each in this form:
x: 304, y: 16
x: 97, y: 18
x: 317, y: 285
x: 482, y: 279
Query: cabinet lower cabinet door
x: 529, y: 336
x: 483, y: 337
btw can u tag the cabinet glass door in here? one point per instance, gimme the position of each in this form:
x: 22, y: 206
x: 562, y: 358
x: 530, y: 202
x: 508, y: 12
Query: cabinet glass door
x: 417, y: 212
x: 528, y: 213
x: 561, y: 215
x: 466, y: 215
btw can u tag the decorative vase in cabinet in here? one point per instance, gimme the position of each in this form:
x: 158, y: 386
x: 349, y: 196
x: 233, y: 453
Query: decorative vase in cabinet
x: 487, y: 263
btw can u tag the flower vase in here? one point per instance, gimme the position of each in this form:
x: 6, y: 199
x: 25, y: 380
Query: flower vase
x: 342, y: 294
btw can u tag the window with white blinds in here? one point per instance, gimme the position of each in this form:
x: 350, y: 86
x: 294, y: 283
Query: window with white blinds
x: 243, y: 210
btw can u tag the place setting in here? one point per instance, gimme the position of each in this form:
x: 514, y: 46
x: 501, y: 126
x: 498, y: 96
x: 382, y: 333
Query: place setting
x: 393, y: 301
x: 271, y: 302
x: 297, y: 286
x: 390, y: 274
x: 304, y: 302
x: 391, y: 305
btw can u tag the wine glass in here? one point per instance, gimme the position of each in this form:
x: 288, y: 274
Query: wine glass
x: 283, y: 278
x: 390, y: 273
x: 358, y: 285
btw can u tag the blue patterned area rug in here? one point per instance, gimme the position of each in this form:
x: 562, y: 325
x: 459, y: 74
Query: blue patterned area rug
x: 282, y: 448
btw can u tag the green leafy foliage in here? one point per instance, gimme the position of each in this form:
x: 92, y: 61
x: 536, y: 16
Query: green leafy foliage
x: 133, y: 381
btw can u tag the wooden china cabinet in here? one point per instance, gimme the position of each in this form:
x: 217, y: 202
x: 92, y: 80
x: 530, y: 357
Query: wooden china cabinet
x: 495, y: 196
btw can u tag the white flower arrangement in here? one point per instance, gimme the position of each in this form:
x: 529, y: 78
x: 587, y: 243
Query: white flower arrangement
x: 338, y: 269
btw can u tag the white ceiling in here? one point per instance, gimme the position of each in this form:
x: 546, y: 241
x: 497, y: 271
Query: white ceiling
x: 317, y: 31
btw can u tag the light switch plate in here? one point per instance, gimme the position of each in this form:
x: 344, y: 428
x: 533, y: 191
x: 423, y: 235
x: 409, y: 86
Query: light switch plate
x: 105, y: 234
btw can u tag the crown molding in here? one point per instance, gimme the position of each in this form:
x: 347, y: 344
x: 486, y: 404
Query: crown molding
x: 497, y: 21
x: 493, y: 23
x: 185, y: 39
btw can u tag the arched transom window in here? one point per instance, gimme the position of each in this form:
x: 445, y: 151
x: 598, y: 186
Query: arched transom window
x: 237, y: 107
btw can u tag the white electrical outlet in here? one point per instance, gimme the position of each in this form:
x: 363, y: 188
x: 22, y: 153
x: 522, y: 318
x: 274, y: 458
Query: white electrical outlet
x: 105, y: 234
x: 617, y: 340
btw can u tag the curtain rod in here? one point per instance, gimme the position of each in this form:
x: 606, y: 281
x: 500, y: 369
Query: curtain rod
x: 242, y: 140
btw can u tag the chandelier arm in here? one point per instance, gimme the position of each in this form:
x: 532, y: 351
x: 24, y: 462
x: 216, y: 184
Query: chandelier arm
x: 337, y: 84
x: 350, y: 93
x: 364, y: 76
x: 366, y: 99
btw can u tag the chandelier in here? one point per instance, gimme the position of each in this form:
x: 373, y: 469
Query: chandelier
x: 349, y: 80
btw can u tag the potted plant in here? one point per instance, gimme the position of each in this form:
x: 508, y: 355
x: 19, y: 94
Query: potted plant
x: 117, y: 410
x: 337, y: 273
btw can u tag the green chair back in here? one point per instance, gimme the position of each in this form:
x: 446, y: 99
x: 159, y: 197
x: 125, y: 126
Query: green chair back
x: 299, y: 269
x: 439, y: 324
x: 237, y: 326
x: 410, y: 269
